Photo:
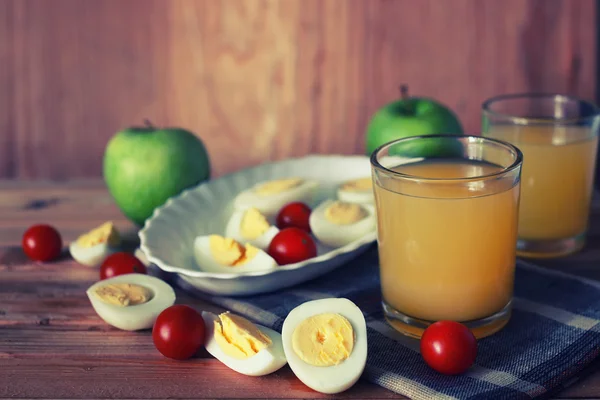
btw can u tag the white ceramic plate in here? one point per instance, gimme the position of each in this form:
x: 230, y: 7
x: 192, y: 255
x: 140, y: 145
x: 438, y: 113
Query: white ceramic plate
x: 168, y: 236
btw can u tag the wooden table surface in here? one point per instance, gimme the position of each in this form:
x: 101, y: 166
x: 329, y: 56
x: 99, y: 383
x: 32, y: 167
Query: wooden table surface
x: 53, y: 345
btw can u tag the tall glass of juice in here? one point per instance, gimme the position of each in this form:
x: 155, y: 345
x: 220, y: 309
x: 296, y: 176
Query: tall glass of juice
x: 558, y: 136
x: 447, y: 210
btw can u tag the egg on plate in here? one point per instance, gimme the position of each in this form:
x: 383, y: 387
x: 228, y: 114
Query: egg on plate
x: 325, y: 343
x: 215, y: 253
x: 270, y: 196
x: 357, y: 191
x: 337, y: 223
x: 93, y: 247
x: 132, y: 301
x: 251, y: 226
x: 244, y: 347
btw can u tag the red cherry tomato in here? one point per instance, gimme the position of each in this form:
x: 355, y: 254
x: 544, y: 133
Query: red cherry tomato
x: 294, y: 215
x: 178, y: 332
x: 292, y: 245
x: 448, y: 347
x: 121, y: 263
x: 42, y: 243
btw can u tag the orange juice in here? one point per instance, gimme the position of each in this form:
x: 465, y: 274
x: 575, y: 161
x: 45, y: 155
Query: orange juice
x: 557, y: 178
x: 447, y: 250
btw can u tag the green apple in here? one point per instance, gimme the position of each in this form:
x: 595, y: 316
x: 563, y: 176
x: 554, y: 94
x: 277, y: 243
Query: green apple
x: 413, y: 116
x: 145, y: 166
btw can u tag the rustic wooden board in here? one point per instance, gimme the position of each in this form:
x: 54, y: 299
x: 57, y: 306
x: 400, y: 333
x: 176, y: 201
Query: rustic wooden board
x: 53, y: 345
x: 264, y: 79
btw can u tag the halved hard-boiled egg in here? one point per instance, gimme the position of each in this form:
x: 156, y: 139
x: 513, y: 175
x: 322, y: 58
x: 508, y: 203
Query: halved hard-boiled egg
x: 357, y: 191
x: 268, y: 197
x: 244, y: 347
x: 251, y: 226
x: 131, y: 301
x: 94, y: 246
x: 336, y: 223
x: 216, y: 253
x: 325, y: 343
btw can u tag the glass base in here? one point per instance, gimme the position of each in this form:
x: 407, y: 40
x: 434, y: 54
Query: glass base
x: 549, y: 248
x: 414, y: 327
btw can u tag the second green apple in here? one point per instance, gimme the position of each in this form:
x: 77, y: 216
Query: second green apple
x: 411, y: 116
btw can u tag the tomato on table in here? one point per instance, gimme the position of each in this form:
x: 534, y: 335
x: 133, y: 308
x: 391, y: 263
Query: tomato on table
x: 292, y: 245
x: 121, y: 263
x: 295, y: 215
x: 178, y: 332
x: 42, y: 243
x: 448, y: 347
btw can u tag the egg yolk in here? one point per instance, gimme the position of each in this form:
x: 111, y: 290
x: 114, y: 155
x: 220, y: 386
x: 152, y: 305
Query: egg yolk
x: 104, y: 233
x: 253, y: 224
x: 323, y: 340
x: 344, y: 213
x: 124, y: 294
x: 238, y: 337
x: 358, y: 185
x: 227, y: 251
x: 277, y: 186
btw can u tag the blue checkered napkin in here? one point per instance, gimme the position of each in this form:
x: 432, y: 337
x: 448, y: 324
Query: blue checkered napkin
x: 554, y: 332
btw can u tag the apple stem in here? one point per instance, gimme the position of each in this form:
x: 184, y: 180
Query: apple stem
x: 404, y: 91
x: 148, y: 123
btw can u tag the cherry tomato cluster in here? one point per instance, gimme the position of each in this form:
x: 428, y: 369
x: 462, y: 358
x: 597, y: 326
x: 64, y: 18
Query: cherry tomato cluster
x: 178, y: 331
x: 293, y: 243
x: 44, y: 243
x: 448, y: 347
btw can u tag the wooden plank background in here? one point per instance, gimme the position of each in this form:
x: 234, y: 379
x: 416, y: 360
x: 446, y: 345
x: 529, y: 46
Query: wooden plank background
x: 264, y: 79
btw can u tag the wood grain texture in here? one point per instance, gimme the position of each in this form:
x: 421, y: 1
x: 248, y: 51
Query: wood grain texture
x: 263, y: 80
x: 82, y: 70
x: 53, y: 345
x: 7, y: 130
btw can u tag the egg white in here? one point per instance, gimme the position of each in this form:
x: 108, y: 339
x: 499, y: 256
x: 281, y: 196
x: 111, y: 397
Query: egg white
x: 91, y: 256
x: 337, y: 378
x: 270, y: 205
x: 232, y: 230
x: 262, y: 363
x: 356, y: 196
x: 205, y: 260
x: 139, y: 316
x: 335, y: 235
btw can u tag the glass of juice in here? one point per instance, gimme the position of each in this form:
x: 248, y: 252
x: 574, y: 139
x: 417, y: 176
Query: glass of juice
x: 558, y: 136
x: 447, y: 210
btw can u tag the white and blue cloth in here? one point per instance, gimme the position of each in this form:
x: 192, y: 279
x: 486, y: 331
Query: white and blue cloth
x: 553, y: 334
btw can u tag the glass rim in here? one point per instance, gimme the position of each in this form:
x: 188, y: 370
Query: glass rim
x: 487, y: 104
x: 503, y: 171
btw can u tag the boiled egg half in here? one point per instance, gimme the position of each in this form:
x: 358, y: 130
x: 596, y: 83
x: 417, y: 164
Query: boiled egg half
x: 337, y: 223
x: 93, y: 247
x: 325, y: 343
x: 132, y: 301
x: 270, y: 196
x: 251, y: 226
x: 244, y: 347
x: 357, y: 191
x: 214, y: 253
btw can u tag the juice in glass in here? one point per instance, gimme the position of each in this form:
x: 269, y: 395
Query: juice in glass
x: 447, y: 232
x: 557, y: 179
x: 559, y: 143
